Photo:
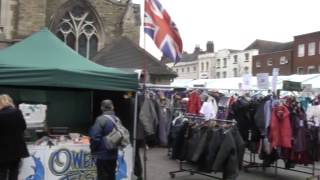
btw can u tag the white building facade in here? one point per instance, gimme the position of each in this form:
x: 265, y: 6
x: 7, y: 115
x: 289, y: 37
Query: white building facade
x: 240, y: 63
x: 205, y: 64
x: 224, y: 63
x: 220, y: 64
x: 186, y: 70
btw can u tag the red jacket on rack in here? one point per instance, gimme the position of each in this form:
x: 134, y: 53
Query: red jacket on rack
x: 280, y: 134
x: 194, y: 103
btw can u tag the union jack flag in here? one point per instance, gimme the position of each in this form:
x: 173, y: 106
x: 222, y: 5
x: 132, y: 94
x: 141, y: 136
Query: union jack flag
x: 159, y: 26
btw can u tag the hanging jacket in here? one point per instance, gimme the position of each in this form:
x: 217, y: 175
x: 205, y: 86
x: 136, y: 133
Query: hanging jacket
x: 259, y: 118
x: 164, y: 125
x: 280, y: 128
x: 148, y: 116
x: 215, y: 138
x: 194, y: 103
x: 227, y: 158
x: 240, y: 145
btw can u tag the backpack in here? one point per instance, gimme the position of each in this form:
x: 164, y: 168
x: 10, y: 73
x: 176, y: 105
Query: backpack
x: 119, y: 137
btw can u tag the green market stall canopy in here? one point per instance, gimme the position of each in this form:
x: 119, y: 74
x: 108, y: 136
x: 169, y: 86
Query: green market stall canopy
x: 44, y: 60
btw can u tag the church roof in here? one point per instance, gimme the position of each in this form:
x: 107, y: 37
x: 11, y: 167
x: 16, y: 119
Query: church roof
x: 263, y: 46
x: 124, y: 53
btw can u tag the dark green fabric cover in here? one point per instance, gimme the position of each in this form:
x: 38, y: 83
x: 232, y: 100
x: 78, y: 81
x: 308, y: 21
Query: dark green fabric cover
x: 66, y: 107
x: 44, y: 60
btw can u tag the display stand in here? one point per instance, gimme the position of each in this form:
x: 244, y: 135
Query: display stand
x: 193, y: 171
x: 253, y: 164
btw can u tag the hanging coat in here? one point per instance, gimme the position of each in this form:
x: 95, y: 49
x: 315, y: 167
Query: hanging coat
x: 148, y: 117
x: 194, y: 103
x: 280, y: 134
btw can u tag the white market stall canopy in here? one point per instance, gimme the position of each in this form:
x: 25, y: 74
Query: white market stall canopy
x: 233, y: 83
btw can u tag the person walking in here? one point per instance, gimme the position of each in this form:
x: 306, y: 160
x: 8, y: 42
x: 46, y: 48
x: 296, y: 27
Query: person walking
x: 12, y: 145
x: 106, y: 159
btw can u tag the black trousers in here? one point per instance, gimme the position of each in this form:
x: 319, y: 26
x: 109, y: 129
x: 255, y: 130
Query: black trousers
x: 9, y: 170
x: 106, y: 169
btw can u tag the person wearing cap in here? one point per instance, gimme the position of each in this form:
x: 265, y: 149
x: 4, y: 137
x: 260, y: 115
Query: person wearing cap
x: 106, y: 159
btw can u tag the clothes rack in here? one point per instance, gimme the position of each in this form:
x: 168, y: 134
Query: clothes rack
x: 193, y: 171
x: 253, y: 164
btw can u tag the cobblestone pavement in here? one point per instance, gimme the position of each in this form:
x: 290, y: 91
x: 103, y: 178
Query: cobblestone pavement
x: 159, y: 166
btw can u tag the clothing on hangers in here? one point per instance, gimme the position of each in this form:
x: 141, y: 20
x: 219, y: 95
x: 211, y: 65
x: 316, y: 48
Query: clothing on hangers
x: 211, y: 145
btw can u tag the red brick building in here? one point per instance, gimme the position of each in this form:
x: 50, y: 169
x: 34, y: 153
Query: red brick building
x: 273, y: 55
x: 306, y: 53
x: 302, y: 56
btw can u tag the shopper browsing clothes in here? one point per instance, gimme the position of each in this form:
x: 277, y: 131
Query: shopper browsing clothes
x: 12, y: 144
x: 106, y: 159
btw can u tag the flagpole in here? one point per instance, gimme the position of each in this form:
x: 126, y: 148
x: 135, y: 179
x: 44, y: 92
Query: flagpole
x: 144, y: 60
x: 144, y: 91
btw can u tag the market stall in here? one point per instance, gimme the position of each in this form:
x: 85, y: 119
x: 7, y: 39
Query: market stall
x: 233, y: 83
x: 42, y: 70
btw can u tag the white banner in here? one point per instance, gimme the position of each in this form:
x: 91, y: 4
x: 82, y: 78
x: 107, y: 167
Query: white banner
x: 263, y: 81
x: 246, y: 82
x: 64, y: 162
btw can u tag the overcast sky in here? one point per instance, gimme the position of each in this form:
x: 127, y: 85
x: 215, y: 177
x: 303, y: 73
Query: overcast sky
x: 234, y: 24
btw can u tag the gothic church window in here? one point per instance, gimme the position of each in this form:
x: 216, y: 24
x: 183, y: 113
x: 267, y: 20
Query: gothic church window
x: 78, y: 31
x: 77, y: 24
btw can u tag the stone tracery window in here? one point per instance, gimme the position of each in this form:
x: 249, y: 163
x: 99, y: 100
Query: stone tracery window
x: 78, y: 30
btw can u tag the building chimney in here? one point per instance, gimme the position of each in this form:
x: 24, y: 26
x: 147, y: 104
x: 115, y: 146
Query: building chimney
x: 210, y: 46
x: 197, y: 49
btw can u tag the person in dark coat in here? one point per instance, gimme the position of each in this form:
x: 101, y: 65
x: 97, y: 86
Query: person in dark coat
x: 106, y: 159
x: 12, y: 145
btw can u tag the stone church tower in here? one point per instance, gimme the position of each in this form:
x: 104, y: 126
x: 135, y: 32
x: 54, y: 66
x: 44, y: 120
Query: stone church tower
x: 85, y: 25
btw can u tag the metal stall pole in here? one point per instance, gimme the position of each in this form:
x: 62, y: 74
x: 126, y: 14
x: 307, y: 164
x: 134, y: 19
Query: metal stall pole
x: 145, y: 162
x: 135, y: 121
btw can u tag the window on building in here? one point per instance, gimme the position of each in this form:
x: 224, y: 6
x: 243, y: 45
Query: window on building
x: 182, y: 70
x: 218, y: 74
x: 235, y: 72
x: 246, y: 70
x: 202, y: 67
x: 283, y: 60
x: 207, y: 66
x: 258, y: 63
x: 300, y: 70
x: 235, y: 59
x: 224, y: 74
x: 311, y: 49
x: 224, y: 62
x: 301, y: 50
x: 194, y: 68
x: 269, y: 62
x: 246, y: 56
x: 188, y: 69
x: 312, y: 70
x: 218, y: 63
x: 78, y: 28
